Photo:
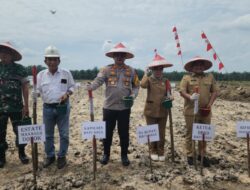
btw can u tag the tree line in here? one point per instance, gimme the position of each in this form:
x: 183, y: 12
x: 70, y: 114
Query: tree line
x: 90, y: 74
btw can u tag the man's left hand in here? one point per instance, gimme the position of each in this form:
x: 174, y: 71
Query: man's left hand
x: 64, y: 98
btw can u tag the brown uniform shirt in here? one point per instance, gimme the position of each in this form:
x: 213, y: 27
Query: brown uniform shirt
x: 156, y: 93
x: 206, y: 84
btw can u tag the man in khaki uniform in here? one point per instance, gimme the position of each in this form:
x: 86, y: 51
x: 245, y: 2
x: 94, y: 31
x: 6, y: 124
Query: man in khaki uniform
x: 154, y: 111
x: 207, y: 93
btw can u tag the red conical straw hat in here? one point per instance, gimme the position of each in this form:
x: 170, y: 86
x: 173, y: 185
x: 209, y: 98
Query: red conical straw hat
x: 189, y: 65
x: 120, y: 48
x: 7, y: 45
x: 159, y: 61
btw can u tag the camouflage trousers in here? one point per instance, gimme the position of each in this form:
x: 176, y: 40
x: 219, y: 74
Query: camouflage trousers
x: 15, y: 118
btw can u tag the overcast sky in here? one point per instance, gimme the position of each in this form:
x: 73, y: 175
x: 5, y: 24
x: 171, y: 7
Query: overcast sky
x: 80, y: 30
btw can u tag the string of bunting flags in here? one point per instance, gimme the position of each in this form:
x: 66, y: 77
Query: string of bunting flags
x: 210, y: 47
x: 178, y: 45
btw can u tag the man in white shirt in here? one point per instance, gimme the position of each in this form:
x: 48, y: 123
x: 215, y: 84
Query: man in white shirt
x: 55, y: 85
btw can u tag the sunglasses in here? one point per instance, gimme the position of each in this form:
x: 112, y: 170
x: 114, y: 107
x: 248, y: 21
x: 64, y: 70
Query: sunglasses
x: 158, y: 68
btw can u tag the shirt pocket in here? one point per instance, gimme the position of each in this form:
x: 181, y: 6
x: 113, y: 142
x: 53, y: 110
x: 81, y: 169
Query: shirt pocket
x: 192, y: 85
x: 126, y: 82
x: 112, y: 81
x: 207, y: 83
x: 64, y: 85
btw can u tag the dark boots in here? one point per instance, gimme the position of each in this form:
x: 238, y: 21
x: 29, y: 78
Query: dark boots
x: 2, y: 155
x: 124, y: 155
x: 125, y: 160
x: 105, y: 159
x: 22, y: 156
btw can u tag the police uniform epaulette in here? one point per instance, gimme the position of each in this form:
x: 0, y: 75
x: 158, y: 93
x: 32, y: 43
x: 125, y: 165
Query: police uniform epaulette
x: 103, y: 69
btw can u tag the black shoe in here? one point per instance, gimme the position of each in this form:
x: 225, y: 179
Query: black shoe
x: 105, y: 159
x: 2, y: 155
x: 190, y: 160
x: 48, y: 161
x: 22, y: 156
x: 125, y: 160
x: 2, y: 163
x: 61, y: 162
x: 206, y: 161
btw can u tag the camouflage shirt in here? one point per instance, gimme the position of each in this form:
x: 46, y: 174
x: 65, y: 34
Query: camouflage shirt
x: 12, y: 76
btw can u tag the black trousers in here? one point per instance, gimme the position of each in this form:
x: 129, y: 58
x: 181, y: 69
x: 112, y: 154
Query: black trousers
x: 15, y: 118
x: 121, y: 118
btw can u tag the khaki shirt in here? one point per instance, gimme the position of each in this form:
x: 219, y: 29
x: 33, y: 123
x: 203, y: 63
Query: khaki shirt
x: 120, y: 82
x: 206, y: 85
x: 156, y: 93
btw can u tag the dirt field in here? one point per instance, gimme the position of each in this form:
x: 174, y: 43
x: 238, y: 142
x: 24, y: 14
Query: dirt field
x: 229, y: 153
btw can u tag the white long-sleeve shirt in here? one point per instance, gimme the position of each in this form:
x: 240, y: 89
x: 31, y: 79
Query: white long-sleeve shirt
x: 53, y: 87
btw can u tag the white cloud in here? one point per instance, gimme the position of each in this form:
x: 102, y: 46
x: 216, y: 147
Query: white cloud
x: 241, y: 22
x: 80, y: 28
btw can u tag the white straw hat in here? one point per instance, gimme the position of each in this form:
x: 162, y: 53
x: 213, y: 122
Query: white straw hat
x: 189, y: 65
x: 159, y: 61
x: 7, y: 45
x: 120, y: 48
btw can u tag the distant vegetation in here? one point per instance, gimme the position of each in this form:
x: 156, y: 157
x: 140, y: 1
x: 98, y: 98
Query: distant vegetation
x: 90, y: 74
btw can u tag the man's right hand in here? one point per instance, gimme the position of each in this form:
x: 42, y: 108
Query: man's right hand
x: 147, y: 71
x: 194, y: 96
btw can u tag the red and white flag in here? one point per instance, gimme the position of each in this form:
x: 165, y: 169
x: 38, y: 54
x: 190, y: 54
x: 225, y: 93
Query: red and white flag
x: 210, y: 47
x: 178, y: 45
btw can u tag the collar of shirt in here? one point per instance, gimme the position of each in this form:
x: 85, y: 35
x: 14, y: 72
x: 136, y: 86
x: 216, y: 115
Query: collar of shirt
x: 123, y: 66
x: 158, y: 79
x: 198, y: 75
x: 49, y: 73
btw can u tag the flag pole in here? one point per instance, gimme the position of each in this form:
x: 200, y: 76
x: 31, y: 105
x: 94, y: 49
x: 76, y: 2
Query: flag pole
x: 34, y: 147
x: 196, y: 106
x: 91, y: 105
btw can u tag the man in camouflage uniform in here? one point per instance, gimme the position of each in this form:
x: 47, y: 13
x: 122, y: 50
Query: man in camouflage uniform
x: 121, y: 81
x: 206, y: 95
x: 13, y: 89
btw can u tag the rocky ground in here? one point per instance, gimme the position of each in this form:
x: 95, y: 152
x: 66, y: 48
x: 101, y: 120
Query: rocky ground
x: 228, y: 153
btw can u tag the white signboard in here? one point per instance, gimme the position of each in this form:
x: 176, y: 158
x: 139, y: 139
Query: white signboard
x: 97, y: 128
x: 143, y: 132
x: 199, y: 129
x: 242, y: 128
x: 25, y: 132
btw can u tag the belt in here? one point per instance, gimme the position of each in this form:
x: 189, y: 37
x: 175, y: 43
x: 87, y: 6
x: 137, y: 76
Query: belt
x: 52, y: 105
